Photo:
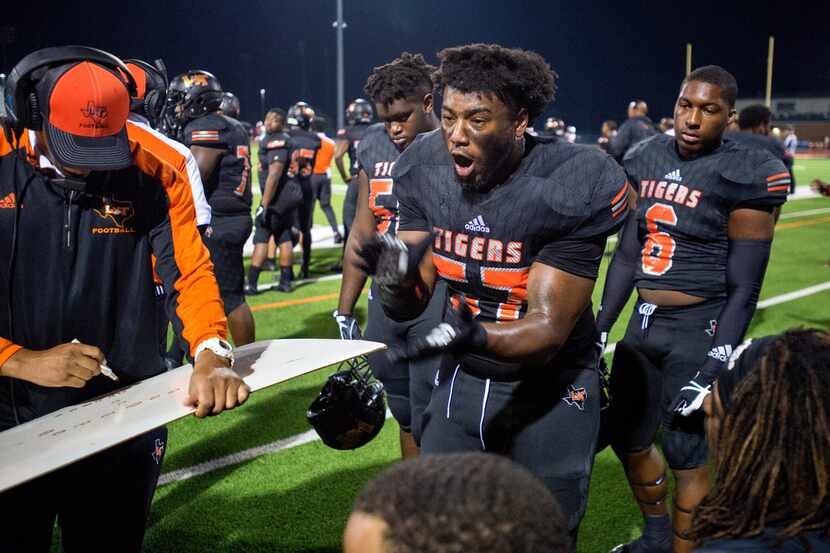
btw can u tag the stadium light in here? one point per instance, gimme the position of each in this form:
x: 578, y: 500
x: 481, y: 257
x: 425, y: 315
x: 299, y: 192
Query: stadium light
x: 261, y: 102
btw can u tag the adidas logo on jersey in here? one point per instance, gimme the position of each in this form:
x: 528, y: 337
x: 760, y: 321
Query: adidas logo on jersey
x: 477, y: 225
x: 674, y: 175
x: 721, y: 353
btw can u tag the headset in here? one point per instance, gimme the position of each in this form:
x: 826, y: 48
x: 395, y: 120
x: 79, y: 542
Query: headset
x: 155, y: 90
x: 20, y: 103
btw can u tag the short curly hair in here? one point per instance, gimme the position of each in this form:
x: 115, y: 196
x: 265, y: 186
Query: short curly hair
x: 464, y: 502
x: 519, y: 78
x: 405, y: 77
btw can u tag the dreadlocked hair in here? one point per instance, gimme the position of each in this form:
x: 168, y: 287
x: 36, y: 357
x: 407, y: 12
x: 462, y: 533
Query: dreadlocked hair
x: 773, y: 452
x: 457, y: 503
x: 519, y: 78
x: 406, y: 77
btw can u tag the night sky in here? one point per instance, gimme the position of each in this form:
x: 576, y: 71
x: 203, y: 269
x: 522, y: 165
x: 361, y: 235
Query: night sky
x: 605, y: 53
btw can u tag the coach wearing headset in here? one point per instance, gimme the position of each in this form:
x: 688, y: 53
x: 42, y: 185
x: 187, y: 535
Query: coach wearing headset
x: 84, y: 202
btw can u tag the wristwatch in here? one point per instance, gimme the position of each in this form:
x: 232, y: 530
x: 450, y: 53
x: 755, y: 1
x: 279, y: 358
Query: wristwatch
x: 218, y: 346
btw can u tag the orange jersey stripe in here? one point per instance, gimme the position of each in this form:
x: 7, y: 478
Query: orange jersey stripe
x: 199, y: 305
x: 7, y: 349
x: 620, y: 194
x: 778, y: 176
x: 777, y: 188
x: 324, y: 155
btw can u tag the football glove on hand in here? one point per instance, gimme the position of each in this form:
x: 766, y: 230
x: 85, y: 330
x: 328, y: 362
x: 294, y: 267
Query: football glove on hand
x: 259, y: 218
x: 604, y: 374
x: 349, y: 329
x: 691, y: 396
x: 391, y: 261
x: 459, y: 332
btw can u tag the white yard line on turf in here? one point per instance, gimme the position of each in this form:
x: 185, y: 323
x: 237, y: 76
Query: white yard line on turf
x: 237, y: 458
x: 311, y: 436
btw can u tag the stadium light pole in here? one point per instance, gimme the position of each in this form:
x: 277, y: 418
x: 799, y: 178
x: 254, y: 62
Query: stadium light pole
x: 770, y: 56
x: 341, y: 100
x: 688, y: 58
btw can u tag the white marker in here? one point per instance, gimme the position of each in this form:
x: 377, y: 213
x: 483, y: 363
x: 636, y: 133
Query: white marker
x: 105, y: 370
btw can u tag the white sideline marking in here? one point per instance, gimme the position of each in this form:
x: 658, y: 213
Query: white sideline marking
x: 311, y: 436
x: 805, y: 213
x: 242, y: 456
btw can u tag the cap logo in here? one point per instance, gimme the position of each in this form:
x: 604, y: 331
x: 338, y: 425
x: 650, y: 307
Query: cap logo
x: 193, y: 80
x: 97, y: 116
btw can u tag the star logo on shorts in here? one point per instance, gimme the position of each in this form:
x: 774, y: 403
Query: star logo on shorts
x: 576, y: 397
x: 158, y: 451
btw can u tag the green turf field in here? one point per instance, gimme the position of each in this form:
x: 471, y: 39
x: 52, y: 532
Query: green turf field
x: 297, y: 499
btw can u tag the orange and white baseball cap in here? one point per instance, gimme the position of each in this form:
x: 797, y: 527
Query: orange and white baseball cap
x: 85, y: 108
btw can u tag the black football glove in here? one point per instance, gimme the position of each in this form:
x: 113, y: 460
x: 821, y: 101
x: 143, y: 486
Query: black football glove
x: 390, y: 260
x: 459, y: 332
x: 347, y: 324
x: 259, y: 218
x: 604, y: 374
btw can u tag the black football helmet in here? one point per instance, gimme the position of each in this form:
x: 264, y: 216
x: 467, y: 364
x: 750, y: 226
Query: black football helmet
x: 189, y: 96
x: 230, y: 105
x: 152, y: 96
x: 351, y: 408
x: 359, y: 111
x: 300, y: 115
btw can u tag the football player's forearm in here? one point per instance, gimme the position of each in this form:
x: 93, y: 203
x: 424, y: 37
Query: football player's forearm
x: 404, y: 302
x: 619, y: 279
x: 338, y: 162
x: 537, y: 334
x: 270, y: 188
x: 353, y: 279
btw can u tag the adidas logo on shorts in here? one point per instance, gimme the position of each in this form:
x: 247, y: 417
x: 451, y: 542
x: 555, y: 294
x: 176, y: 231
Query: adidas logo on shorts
x: 721, y: 353
x: 477, y: 225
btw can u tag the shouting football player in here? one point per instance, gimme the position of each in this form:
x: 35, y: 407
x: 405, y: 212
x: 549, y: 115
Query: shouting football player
x: 220, y: 146
x: 402, y: 92
x: 696, y: 252
x: 516, y: 226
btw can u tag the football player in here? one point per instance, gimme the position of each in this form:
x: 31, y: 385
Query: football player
x: 306, y: 144
x: 696, y: 252
x: 402, y: 93
x: 359, y: 116
x: 221, y: 148
x: 289, y: 162
x: 516, y: 226
x: 321, y: 178
x: 230, y: 107
x: 274, y: 138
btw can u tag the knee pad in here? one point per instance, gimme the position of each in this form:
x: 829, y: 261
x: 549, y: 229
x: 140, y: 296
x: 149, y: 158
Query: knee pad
x: 685, y: 450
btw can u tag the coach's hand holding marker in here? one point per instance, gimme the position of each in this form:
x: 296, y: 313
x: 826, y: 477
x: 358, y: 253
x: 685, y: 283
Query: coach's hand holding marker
x: 65, y: 365
x: 105, y: 370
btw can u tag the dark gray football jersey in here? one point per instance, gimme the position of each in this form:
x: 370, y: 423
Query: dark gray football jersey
x: 376, y: 155
x: 684, y: 206
x: 486, y: 242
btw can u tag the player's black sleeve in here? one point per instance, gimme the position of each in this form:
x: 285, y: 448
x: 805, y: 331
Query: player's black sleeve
x: 619, y: 143
x: 745, y: 268
x: 619, y: 280
x: 411, y: 210
x: 580, y: 251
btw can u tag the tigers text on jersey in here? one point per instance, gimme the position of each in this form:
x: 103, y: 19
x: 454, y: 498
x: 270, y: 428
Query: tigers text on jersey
x: 376, y: 155
x: 354, y: 134
x: 228, y: 189
x: 684, y: 206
